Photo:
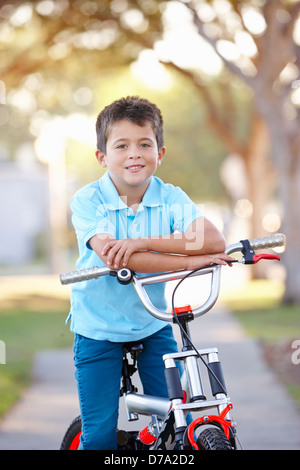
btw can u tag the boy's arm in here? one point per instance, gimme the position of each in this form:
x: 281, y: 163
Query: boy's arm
x: 201, y: 238
x: 149, y: 262
x: 139, y: 261
x: 202, y: 248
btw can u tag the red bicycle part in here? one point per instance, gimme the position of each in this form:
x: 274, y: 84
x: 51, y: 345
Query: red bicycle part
x: 208, y: 419
x: 257, y: 258
x: 75, y: 443
x: 182, y: 310
x: 146, y: 437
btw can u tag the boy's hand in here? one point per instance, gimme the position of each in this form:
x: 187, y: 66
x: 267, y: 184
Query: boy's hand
x: 198, y: 261
x: 119, y: 251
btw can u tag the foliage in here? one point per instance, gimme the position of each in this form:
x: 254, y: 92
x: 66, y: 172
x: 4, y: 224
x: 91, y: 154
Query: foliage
x: 25, y: 332
x: 44, y: 51
x: 64, y: 38
x: 193, y: 156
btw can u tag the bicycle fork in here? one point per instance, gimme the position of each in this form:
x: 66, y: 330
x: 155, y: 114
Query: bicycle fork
x: 191, y: 382
x: 186, y: 394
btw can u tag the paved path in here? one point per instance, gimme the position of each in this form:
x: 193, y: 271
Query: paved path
x: 267, y: 418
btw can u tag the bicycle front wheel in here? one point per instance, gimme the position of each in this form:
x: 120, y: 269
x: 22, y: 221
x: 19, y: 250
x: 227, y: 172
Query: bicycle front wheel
x: 213, y: 439
x: 72, y: 437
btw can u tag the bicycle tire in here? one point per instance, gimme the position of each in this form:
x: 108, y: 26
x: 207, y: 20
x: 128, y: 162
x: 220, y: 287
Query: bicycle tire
x: 72, y: 437
x: 71, y: 440
x: 213, y: 439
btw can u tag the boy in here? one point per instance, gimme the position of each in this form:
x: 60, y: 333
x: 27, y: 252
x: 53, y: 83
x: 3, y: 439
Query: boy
x: 128, y: 218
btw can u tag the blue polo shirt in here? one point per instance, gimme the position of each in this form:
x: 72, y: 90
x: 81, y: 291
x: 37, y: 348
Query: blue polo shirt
x: 102, y: 308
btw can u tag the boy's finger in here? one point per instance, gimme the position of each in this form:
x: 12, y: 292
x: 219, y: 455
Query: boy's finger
x: 117, y: 259
x: 118, y: 255
x: 105, y: 249
x: 126, y: 257
x: 110, y: 253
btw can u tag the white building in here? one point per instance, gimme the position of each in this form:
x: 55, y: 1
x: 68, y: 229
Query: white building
x: 24, y: 214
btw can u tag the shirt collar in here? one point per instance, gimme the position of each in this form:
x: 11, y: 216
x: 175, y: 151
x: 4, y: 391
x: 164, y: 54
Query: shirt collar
x: 152, y: 196
x: 110, y: 194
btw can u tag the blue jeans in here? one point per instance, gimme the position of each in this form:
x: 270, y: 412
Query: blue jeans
x: 98, y: 373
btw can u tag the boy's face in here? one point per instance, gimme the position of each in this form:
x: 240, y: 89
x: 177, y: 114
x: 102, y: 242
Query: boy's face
x: 131, y: 155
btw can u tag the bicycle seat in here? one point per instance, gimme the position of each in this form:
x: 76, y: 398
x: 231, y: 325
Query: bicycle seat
x: 132, y: 347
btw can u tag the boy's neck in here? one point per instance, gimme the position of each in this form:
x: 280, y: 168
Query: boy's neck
x: 133, y: 201
x: 132, y: 198
x: 134, y: 206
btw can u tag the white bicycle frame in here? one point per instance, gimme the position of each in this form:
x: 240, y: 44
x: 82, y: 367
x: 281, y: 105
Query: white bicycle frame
x: 191, y: 380
x: 191, y: 383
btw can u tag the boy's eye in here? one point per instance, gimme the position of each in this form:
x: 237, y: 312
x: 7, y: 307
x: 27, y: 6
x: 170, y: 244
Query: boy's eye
x: 121, y: 146
x: 145, y: 145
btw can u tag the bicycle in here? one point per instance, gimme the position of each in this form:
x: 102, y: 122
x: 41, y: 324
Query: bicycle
x: 169, y: 428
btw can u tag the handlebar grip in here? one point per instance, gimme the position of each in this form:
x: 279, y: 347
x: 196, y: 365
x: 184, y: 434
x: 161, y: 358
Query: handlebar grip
x: 268, y: 242
x: 83, y: 275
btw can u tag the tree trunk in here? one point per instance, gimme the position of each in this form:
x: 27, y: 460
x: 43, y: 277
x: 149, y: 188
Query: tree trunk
x: 291, y: 228
x: 286, y: 152
x: 261, y: 180
x: 290, y: 192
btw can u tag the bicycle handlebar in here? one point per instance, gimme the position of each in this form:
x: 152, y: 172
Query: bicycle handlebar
x: 83, y: 275
x: 259, y: 243
x: 126, y: 276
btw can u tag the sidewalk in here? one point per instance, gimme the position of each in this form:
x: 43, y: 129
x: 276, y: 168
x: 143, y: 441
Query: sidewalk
x: 267, y: 418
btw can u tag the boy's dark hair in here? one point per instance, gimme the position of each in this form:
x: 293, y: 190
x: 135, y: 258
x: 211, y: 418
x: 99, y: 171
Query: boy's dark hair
x: 134, y: 109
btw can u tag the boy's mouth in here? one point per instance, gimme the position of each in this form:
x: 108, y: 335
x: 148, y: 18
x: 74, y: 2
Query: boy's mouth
x: 134, y: 168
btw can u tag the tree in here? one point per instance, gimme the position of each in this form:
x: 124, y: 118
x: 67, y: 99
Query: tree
x: 259, y: 44
x: 272, y: 74
x: 113, y: 33
x: 257, y: 41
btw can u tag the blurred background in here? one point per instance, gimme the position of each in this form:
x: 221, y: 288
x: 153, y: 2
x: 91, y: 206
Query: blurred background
x: 225, y: 75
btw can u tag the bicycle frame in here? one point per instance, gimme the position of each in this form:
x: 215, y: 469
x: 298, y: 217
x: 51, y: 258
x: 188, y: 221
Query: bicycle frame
x: 186, y: 394
x: 191, y: 384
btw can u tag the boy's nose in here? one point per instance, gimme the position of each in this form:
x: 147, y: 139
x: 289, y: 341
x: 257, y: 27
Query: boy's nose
x: 135, y: 154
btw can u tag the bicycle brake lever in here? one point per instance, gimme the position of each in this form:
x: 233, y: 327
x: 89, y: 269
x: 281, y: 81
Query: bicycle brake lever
x: 257, y: 258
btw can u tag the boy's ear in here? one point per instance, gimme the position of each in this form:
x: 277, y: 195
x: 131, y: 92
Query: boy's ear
x: 101, y: 158
x: 161, y: 154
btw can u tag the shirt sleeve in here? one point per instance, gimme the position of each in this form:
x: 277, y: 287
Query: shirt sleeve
x: 183, y: 211
x: 89, y: 218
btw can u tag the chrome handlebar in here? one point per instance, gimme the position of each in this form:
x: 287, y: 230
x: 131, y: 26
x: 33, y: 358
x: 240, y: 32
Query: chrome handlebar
x: 259, y: 243
x: 125, y: 276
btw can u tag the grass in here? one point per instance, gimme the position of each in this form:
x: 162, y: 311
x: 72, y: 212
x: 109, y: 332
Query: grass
x: 31, y: 319
x: 258, y: 308
x: 257, y: 294
x: 272, y: 324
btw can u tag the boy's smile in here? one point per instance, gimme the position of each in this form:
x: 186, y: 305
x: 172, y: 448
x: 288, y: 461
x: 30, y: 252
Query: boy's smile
x: 131, y: 157
x: 135, y: 168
